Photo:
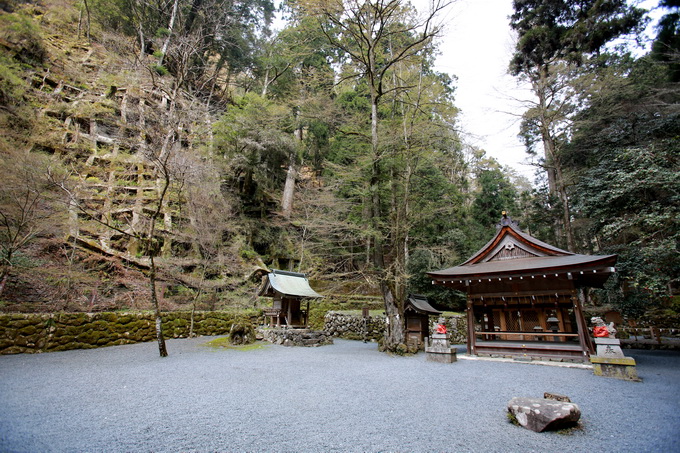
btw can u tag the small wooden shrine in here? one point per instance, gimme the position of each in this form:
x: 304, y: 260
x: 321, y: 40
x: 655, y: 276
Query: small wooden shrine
x: 525, y: 297
x: 288, y: 289
x: 417, y: 312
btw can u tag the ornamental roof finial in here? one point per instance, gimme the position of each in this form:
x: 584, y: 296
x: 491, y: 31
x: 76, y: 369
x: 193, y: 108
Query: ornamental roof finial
x: 506, y: 221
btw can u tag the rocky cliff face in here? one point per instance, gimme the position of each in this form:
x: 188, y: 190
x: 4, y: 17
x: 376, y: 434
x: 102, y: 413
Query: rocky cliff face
x: 131, y: 144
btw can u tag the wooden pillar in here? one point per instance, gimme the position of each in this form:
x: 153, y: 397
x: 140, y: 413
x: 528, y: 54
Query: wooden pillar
x: 489, y: 327
x: 289, y: 318
x: 578, y: 298
x: 504, y: 324
x: 562, y: 317
x: 471, y: 348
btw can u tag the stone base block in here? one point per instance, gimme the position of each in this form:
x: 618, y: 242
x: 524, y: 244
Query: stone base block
x: 620, y: 368
x: 609, y: 347
x: 441, y: 356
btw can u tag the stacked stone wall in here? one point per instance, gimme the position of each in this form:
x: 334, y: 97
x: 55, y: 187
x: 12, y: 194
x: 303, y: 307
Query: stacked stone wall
x: 355, y: 327
x: 456, y: 326
x: 296, y: 337
x: 30, y: 333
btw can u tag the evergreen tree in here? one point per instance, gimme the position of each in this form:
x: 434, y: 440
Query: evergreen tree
x: 553, y: 37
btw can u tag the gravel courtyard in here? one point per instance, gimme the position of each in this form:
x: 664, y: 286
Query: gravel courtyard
x: 343, y: 397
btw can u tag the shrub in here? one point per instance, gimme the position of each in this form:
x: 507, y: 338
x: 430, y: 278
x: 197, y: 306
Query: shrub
x: 160, y: 69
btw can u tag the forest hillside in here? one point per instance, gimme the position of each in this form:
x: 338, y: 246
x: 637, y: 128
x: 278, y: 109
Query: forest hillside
x: 186, y: 143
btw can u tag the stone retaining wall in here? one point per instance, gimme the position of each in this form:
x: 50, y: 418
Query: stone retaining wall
x: 295, y: 337
x: 31, y: 333
x: 355, y: 327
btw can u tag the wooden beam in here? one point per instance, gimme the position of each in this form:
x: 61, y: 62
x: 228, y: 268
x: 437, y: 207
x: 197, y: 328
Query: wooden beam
x: 550, y: 293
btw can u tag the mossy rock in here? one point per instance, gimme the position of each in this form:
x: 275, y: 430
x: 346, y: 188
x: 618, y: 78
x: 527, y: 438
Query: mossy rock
x: 84, y: 346
x: 177, y: 323
x: 178, y: 332
x: 21, y: 341
x: 10, y: 333
x: 22, y: 323
x: 242, y: 332
x: 124, y: 319
x: 99, y: 325
x: 28, y: 330
x: 77, y: 319
x: 63, y: 339
x: 138, y: 325
x: 104, y: 341
x: 89, y: 337
x: 108, y: 317
x: 17, y: 350
x: 62, y: 347
x: 117, y: 328
x: 71, y: 330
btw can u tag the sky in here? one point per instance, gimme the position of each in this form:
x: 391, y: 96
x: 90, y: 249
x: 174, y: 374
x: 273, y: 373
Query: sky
x: 476, y: 47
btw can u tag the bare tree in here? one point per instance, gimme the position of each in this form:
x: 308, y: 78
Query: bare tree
x: 27, y: 207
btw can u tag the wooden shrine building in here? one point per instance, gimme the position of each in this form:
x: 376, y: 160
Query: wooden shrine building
x: 417, y: 312
x: 525, y: 297
x: 288, y: 289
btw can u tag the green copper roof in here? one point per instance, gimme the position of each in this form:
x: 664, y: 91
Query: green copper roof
x: 288, y: 284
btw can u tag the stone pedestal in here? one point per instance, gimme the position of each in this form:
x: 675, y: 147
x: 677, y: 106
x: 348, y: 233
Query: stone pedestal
x: 609, y: 360
x: 608, y: 347
x: 438, y: 349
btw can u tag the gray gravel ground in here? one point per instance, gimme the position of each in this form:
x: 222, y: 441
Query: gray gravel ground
x: 343, y: 397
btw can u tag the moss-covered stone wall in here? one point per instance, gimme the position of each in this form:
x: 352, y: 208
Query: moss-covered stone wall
x: 20, y: 333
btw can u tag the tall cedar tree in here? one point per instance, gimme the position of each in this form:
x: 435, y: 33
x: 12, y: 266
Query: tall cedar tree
x: 375, y: 36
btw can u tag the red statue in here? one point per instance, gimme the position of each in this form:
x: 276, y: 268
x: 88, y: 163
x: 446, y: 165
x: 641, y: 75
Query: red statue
x: 600, y: 331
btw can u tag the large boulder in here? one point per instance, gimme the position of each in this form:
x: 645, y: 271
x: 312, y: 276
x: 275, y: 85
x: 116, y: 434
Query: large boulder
x: 539, y: 414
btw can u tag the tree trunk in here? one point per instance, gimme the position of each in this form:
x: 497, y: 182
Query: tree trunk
x: 154, y: 299
x: 394, y: 330
x: 3, y: 280
x: 289, y: 190
x: 556, y: 183
x: 142, y: 45
x: 191, y: 325
x: 171, y: 25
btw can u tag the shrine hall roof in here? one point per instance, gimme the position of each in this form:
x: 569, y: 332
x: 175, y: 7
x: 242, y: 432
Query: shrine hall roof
x: 534, y: 265
x: 514, y: 253
x: 288, y: 284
